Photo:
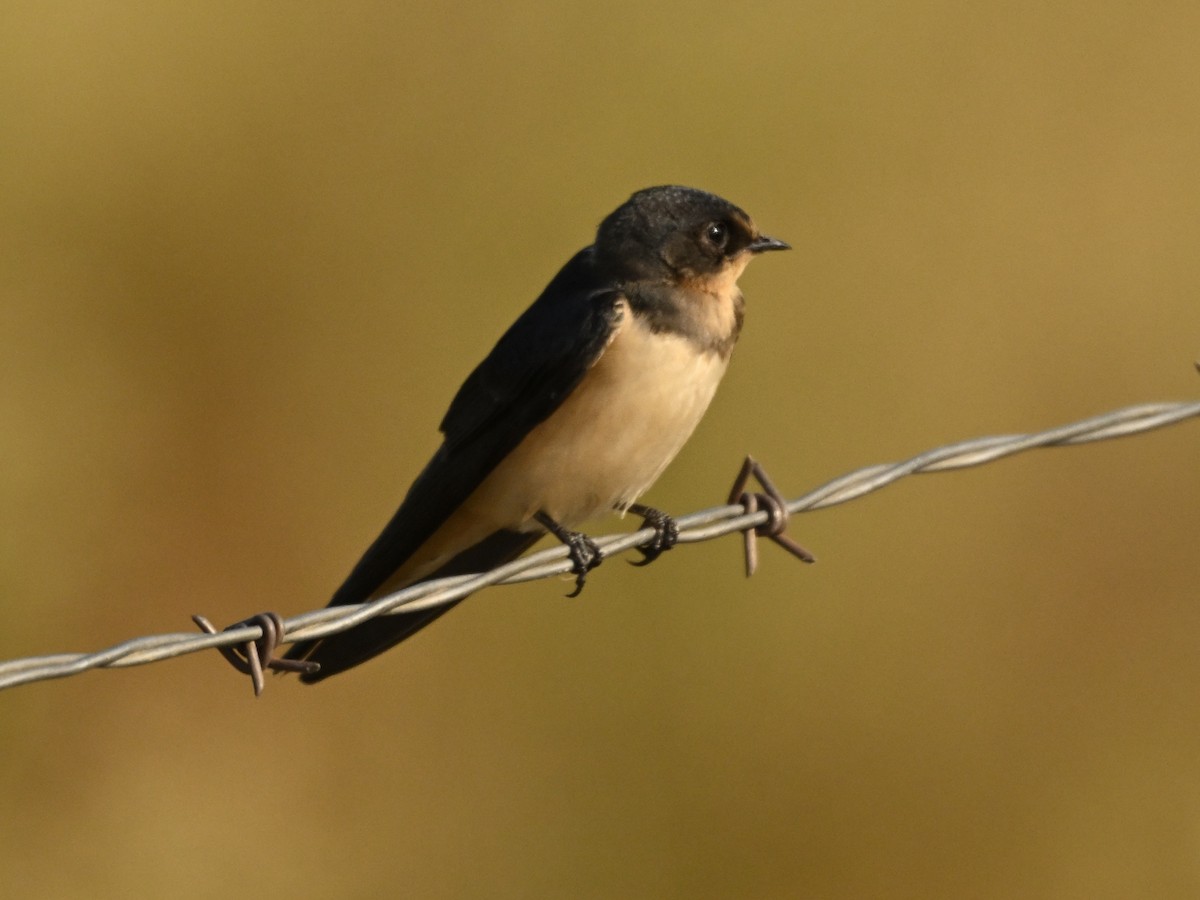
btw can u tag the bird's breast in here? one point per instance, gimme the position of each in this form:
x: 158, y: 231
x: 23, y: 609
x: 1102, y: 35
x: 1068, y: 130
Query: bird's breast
x: 612, y: 437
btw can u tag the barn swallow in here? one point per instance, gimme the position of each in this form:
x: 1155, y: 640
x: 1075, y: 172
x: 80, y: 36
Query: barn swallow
x: 575, y: 412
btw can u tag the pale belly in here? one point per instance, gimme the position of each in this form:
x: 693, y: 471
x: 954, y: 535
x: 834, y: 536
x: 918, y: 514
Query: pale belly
x: 599, y: 451
x: 612, y: 438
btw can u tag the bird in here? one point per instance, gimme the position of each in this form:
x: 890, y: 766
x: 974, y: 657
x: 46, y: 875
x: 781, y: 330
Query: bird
x: 574, y: 413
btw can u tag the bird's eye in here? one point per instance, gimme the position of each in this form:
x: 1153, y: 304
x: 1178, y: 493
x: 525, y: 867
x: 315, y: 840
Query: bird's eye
x: 716, y: 235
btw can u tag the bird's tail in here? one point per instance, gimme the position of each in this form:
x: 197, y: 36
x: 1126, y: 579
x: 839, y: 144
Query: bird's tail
x: 345, y: 650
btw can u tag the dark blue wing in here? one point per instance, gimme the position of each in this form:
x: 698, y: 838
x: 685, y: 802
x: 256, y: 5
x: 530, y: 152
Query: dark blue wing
x: 537, y: 362
x: 529, y: 372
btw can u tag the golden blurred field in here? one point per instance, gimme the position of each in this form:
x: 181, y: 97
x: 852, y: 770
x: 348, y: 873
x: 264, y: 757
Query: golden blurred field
x: 251, y: 250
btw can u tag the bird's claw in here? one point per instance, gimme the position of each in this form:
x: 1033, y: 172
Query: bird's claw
x: 666, y: 533
x: 584, y: 556
x: 583, y: 552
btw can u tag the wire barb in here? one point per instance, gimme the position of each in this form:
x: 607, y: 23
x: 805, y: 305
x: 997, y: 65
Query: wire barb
x: 701, y: 526
x: 257, y: 654
x: 776, y: 508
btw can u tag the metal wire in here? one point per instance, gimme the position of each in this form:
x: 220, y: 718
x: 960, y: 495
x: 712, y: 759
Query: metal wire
x: 700, y: 526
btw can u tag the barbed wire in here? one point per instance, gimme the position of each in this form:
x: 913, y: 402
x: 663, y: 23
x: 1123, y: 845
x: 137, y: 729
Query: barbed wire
x: 700, y: 526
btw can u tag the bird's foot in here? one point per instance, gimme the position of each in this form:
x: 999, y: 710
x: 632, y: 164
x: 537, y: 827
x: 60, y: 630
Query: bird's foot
x: 666, y: 533
x: 581, y: 550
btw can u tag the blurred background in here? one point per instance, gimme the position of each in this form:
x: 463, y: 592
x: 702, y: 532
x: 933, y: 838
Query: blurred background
x: 251, y: 250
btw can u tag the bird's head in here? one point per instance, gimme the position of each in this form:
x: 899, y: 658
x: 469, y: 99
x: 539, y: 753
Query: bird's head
x: 679, y: 234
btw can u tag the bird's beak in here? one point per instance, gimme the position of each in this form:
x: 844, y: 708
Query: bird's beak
x: 762, y: 244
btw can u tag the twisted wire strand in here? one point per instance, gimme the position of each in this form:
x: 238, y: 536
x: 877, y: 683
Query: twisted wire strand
x: 701, y: 526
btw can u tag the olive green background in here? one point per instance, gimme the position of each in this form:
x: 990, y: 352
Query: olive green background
x: 250, y: 250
